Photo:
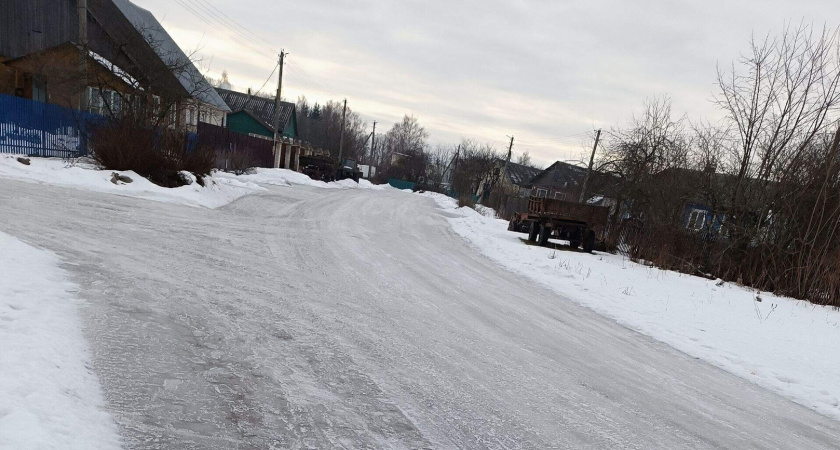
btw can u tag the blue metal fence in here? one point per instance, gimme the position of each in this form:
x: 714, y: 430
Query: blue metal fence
x: 42, y: 129
x: 400, y: 184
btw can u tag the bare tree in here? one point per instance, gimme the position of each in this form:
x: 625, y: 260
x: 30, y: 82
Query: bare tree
x: 321, y: 126
x: 475, y: 164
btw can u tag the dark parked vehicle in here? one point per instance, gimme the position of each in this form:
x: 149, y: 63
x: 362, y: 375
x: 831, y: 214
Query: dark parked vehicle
x: 578, y: 223
x: 318, y: 167
x: 348, y: 169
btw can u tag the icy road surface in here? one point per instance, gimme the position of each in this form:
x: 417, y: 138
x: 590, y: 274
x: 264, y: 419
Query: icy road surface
x: 314, y: 318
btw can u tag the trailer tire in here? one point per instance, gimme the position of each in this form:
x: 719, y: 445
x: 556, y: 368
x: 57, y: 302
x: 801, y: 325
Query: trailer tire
x: 589, y: 241
x: 574, y: 238
x: 545, y: 232
x: 533, y: 231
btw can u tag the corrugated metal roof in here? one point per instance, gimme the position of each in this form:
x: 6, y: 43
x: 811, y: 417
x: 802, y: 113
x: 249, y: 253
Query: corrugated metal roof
x: 560, y: 175
x: 520, y: 175
x: 166, y: 48
x: 260, y: 107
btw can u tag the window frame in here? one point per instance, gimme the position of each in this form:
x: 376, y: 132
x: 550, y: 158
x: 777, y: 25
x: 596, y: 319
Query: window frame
x: 696, y: 215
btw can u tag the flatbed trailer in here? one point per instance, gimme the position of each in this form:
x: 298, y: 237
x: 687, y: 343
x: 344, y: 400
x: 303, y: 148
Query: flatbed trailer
x: 318, y: 167
x: 578, y: 223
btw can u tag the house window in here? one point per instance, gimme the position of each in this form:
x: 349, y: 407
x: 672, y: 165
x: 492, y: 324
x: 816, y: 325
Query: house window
x: 696, y: 219
x: 173, y: 116
x: 116, y: 102
x: 192, y: 116
x: 155, y: 105
x: 39, y: 90
x: 140, y: 105
x: 559, y: 196
x: 104, y: 102
x: 202, y: 116
x: 94, y: 100
x: 542, y: 193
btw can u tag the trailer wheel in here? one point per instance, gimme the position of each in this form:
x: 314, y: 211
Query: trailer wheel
x: 574, y: 238
x: 545, y: 232
x: 589, y: 242
x: 533, y: 231
x: 513, y: 225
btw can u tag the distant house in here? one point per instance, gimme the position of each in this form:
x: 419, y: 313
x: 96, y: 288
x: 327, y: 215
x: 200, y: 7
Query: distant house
x: 698, y: 199
x: 254, y: 115
x: 40, y: 59
x: 561, y: 181
x: 510, y: 178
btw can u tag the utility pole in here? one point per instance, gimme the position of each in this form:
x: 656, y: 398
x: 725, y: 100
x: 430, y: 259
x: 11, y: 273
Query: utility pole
x: 341, y: 141
x: 452, y: 165
x: 589, y: 170
x: 83, y: 53
x: 372, y: 141
x: 277, y: 98
x: 507, y: 161
x: 504, y: 168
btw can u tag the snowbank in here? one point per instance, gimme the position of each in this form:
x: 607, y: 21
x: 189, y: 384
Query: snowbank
x: 285, y: 177
x: 49, y: 399
x: 218, y: 191
x: 785, y: 345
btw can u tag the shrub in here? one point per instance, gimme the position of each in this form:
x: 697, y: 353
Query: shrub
x: 466, y: 200
x: 159, y: 155
x: 241, y: 162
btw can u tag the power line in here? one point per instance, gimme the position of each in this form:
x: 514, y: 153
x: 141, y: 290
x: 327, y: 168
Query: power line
x: 558, y: 139
x: 219, y: 23
x: 225, y: 30
x: 216, y: 18
x: 267, y: 79
x: 311, y: 80
x: 237, y: 24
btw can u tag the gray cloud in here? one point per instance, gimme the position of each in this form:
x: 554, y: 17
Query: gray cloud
x: 539, y: 70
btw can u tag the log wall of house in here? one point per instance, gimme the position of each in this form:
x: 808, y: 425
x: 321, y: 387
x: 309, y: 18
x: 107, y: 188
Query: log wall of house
x: 28, y: 26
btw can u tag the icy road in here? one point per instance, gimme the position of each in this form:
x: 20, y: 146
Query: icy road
x: 315, y: 318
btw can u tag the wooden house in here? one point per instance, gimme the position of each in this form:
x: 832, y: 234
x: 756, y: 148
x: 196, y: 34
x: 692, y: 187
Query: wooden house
x: 45, y: 56
x: 255, y: 116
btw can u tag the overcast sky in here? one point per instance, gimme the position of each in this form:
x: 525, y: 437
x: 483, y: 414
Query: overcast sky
x: 546, y: 72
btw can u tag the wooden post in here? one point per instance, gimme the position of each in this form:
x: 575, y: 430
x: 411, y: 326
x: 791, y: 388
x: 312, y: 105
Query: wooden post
x: 83, y: 53
x: 341, y: 141
x: 589, y: 170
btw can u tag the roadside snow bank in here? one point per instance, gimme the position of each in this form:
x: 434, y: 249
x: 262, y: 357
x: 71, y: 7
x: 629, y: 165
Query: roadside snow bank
x: 286, y: 177
x: 785, y: 345
x: 218, y: 191
x: 49, y: 398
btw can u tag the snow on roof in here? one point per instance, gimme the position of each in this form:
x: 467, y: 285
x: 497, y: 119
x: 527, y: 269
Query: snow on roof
x: 172, y: 55
x: 114, y: 69
x: 520, y: 175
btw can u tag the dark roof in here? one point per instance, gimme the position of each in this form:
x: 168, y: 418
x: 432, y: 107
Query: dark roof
x: 559, y: 175
x: 118, y: 30
x: 520, y: 175
x: 260, y: 108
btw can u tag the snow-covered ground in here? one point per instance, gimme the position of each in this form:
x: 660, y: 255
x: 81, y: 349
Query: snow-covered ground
x: 285, y: 177
x: 220, y: 189
x: 49, y: 397
x: 351, y: 318
x: 785, y: 345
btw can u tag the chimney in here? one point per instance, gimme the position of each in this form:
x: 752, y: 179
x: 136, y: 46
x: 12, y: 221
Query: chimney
x: 249, y: 92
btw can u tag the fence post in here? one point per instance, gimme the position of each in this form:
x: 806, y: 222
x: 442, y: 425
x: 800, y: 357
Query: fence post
x: 43, y: 149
